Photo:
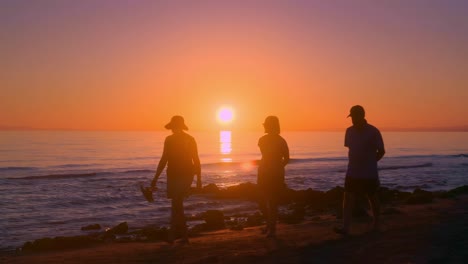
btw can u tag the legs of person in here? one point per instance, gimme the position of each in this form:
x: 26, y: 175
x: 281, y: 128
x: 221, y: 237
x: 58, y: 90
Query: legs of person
x: 178, y: 224
x: 348, y: 203
x: 375, y: 207
x: 272, y: 217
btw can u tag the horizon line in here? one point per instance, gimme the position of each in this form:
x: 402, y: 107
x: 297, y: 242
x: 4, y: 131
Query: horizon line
x: 386, y: 129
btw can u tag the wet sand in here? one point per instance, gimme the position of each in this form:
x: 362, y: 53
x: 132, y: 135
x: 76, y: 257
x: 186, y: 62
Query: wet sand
x: 429, y: 233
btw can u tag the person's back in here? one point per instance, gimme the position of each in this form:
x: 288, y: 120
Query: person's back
x: 270, y: 178
x: 366, y: 148
x: 362, y: 142
x: 273, y: 148
x: 180, y: 149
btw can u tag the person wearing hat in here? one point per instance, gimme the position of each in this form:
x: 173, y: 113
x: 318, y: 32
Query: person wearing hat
x: 270, y: 179
x: 180, y: 154
x: 365, y: 149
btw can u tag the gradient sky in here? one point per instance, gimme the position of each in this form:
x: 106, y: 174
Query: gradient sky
x: 131, y: 65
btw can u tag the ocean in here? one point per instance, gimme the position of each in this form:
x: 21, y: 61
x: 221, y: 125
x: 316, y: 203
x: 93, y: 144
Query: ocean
x: 52, y: 183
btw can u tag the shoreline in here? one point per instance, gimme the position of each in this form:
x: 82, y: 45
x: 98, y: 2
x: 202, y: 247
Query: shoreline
x: 419, y: 215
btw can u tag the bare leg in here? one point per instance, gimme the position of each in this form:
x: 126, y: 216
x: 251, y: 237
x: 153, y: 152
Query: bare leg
x: 375, y: 207
x: 178, y: 224
x: 348, y: 203
x: 272, y: 217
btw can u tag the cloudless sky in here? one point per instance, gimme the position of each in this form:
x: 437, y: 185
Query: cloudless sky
x: 131, y: 65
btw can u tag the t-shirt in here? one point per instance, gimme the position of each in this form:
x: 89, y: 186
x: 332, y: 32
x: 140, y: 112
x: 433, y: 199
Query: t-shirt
x: 363, y: 144
x: 271, y: 168
x: 180, y: 150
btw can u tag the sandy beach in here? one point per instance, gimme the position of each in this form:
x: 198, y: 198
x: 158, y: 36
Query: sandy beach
x: 424, y: 233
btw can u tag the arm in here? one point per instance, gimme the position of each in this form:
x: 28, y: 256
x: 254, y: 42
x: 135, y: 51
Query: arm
x: 380, y: 146
x: 161, y: 166
x: 285, y: 154
x: 380, y: 153
x: 196, y: 165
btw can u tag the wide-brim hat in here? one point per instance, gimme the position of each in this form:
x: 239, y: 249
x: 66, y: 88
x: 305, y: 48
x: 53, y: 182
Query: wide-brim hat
x: 177, y: 122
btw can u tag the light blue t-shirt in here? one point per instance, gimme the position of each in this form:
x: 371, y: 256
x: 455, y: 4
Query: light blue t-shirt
x: 363, y: 144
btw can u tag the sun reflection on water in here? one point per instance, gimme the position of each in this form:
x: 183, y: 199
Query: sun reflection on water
x: 225, y: 145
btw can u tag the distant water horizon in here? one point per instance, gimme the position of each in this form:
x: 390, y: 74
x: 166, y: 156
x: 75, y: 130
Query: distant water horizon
x: 461, y: 128
x: 55, y: 182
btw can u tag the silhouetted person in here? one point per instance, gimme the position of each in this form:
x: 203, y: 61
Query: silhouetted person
x: 181, y: 156
x: 366, y: 148
x: 275, y: 156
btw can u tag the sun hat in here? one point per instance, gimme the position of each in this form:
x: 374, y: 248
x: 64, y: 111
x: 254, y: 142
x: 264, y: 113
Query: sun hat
x: 177, y: 122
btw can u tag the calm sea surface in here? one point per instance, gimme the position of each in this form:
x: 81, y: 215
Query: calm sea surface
x: 53, y: 183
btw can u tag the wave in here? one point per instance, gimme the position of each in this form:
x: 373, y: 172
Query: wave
x: 460, y: 155
x: 16, y: 168
x: 139, y: 171
x: 57, y: 176
x: 429, y: 164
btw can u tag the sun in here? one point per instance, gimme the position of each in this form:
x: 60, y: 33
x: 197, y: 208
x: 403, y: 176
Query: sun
x: 225, y: 114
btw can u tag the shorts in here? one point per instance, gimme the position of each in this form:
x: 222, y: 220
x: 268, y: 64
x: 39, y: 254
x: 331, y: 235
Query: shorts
x: 362, y: 186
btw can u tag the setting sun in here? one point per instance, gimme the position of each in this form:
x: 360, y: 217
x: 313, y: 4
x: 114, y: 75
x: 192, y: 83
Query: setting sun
x: 225, y: 114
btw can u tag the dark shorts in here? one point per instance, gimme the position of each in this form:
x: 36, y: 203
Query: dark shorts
x: 362, y: 186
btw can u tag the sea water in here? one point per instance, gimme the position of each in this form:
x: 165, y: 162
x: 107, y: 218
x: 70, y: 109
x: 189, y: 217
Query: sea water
x: 52, y: 183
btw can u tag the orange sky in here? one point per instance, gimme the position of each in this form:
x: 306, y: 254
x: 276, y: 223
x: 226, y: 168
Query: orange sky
x: 127, y: 66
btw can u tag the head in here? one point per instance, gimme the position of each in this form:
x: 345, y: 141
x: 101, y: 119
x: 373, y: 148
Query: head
x: 272, y: 125
x: 357, y: 114
x: 177, y: 123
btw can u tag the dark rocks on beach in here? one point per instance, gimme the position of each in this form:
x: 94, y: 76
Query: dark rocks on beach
x: 119, y: 229
x: 58, y: 243
x: 420, y: 197
x: 455, y: 192
x: 153, y: 233
x: 295, y: 216
x: 387, y: 195
x: 214, y: 219
x: 210, y: 188
x: 91, y: 227
x: 254, y: 220
x: 248, y: 191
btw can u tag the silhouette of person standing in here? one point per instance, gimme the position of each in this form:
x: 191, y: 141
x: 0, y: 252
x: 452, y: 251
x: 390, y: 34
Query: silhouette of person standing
x: 270, y: 180
x: 366, y: 148
x: 181, y: 156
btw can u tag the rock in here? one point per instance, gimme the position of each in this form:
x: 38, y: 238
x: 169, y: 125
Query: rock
x: 334, y: 197
x: 455, y: 192
x: 420, y: 197
x: 59, y: 243
x: 246, y: 191
x: 210, y: 188
x: 91, y: 227
x: 214, y: 219
x: 254, y: 220
x: 154, y: 233
x: 119, y: 229
x: 295, y: 217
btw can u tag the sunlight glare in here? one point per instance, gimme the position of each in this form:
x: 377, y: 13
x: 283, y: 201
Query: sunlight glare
x: 225, y: 114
